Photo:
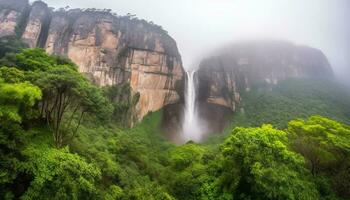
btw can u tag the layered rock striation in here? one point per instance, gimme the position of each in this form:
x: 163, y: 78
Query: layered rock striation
x: 109, y: 49
x: 245, y: 65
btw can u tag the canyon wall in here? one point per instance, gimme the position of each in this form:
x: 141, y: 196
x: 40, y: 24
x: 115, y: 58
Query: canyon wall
x: 109, y: 49
x: 245, y: 65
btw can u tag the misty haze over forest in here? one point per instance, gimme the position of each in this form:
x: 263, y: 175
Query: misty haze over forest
x: 199, y: 26
x: 175, y: 100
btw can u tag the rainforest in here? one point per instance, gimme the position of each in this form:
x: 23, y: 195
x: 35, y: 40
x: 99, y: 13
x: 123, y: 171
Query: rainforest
x: 97, y: 105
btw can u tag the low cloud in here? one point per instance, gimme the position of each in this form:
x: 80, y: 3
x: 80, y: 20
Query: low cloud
x: 200, y: 26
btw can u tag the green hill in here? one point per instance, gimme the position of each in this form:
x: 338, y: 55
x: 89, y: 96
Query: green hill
x: 292, y: 99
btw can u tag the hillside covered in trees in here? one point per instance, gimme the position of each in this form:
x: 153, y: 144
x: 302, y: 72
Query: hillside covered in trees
x: 62, y: 137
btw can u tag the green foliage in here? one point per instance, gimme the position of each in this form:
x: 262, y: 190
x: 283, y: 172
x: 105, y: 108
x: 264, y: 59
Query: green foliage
x: 64, y: 90
x: 94, y: 102
x: 133, y: 159
x: 58, y: 174
x: 292, y: 99
x: 61, y: 88
x: 123, y: 101
x: 35, y: 60
x: 120, y: 97
x: 11, y: 75
x: 326, y: 146
x: 185, y: 156
x: 29, y: 60
x: 11, y: 44
x: 114, y: 192
x: 187, y: 163
x: 64, y: 87
x: 264, y: 166
x: 15, y: 101
x: 16, y: 106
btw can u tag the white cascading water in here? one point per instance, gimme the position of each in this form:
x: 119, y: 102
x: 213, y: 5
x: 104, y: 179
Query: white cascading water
x: 191, y: 127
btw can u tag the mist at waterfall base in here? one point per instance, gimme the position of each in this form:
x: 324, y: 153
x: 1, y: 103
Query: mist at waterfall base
x: 193, y: 128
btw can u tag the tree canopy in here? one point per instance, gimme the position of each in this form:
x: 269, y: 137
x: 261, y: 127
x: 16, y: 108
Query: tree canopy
x: 264, y: 162
x: 11, y: 44
x: 61, y: 137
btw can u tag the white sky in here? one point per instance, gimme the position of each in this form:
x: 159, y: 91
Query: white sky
x: 201, y: 26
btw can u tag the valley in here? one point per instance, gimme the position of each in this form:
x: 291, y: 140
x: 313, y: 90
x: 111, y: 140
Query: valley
x: 95, y: 105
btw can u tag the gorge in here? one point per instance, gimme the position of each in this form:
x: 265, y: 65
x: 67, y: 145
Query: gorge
x: 115, y: 50
x: 240, y: 70
x: 95, y: 105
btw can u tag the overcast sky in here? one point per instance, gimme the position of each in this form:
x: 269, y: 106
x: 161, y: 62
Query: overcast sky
x: 200, y: 26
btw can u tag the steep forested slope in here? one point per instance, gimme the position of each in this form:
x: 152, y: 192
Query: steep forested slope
x: 294, y: 98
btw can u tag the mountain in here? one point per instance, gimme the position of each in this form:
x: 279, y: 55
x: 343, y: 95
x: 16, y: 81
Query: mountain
x: 244, y: 65
x: 255, y: 82
x: 109, y: 49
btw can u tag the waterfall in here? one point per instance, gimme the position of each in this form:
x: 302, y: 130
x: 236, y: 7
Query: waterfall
x: 191, y: 127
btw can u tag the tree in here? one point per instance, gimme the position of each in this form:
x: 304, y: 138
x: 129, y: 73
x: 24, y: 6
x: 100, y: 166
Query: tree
x: 11, y: 44
x: 29, y: 60
x: 265, y: 166
x: 92, y: 101
x: 65, y: 89
x: 15, y: 101
x: 188, y: 171
x: 326, y: 146
x: 11, y: 75
x: 16, y: 105
x: 35, y: 60
x: 186, y: 155
x: 58, y: 174
x: 60, y: 88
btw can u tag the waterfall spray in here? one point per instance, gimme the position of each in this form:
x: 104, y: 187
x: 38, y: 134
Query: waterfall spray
x: 191, y: 128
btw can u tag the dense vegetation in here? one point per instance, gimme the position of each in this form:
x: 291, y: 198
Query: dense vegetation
x: 61, y: 138
x: 292, y: 99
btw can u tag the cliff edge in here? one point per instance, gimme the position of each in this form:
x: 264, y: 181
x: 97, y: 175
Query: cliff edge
x: 109, y: 49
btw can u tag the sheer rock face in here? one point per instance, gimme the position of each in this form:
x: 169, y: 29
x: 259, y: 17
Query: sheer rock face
x: 110, y: 50
x: 10, y: 15
x: 236, y: 69
x: 37, y: 24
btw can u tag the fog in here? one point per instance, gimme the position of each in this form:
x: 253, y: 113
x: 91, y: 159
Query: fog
x: 200, y: 26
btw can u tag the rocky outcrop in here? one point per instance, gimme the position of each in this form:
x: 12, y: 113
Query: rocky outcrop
x: 114, y: 50
x: 37, y: 25
x: 12, y: 14
x: 109, y: 49
x: 245, y: 65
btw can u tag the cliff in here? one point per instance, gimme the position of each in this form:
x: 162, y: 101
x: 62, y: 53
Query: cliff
x: 109, y: 49
x: 244, y: 65
x: 12, y: 14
